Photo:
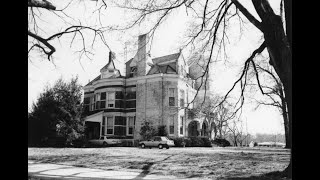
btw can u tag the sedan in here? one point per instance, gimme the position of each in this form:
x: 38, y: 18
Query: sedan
x: 104, y: 141
x: 157, y: 141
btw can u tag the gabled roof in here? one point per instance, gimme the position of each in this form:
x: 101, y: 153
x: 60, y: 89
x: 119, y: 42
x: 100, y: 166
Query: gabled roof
x: 166, y: 58
x: 166, y: 69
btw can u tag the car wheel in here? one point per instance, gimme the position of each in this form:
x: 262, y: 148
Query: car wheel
x: 105, y: 144
x: 160, y: 146
x: 167, y: 147
x: 143, y: 146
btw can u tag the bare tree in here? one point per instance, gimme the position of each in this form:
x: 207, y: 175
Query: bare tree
x: 275, y: 96
x: 41, y: 39
x: 210, y: 31
x: 237, y: 133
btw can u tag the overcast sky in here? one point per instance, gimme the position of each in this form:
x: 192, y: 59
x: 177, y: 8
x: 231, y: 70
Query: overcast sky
x: 167, y: 40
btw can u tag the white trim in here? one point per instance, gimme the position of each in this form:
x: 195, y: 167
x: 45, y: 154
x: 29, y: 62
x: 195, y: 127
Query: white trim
x: 167, y: 62
x: 93, y: 115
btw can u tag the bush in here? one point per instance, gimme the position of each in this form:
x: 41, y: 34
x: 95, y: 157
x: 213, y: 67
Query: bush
x: 196, y: 142
x: 206, y: 142
x: 162, y: 130
x: 147, y: 130
x: 192, y: 141
x: 178, y: 142
x: 221, y: 142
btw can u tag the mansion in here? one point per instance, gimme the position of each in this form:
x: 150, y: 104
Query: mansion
x: 158, y: 90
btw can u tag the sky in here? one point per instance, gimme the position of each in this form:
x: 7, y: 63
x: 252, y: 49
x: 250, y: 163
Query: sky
x: 66, y: 62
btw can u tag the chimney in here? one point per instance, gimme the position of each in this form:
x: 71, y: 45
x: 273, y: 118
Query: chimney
x: 142, y: 55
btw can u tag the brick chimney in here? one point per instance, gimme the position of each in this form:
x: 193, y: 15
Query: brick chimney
x: 143, y: 55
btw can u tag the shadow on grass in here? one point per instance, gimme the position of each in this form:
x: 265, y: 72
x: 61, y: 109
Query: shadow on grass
x: 146, y: 168
x: 89, y: 158
x: 276, y: 175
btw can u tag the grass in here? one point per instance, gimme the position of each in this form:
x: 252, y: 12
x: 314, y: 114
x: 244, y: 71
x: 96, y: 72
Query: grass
x: 213, y: 163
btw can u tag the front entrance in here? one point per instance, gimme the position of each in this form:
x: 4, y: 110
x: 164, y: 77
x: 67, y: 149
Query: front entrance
x: 92, y: 130
x: 193, y: 129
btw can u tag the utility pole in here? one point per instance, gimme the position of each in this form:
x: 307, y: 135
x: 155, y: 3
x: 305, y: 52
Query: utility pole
x: 246, y: 132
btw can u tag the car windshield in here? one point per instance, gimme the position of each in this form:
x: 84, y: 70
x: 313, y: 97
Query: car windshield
x: 164, y: 139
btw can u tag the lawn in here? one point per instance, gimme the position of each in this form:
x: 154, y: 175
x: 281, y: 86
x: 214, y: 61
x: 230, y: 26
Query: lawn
x: 202, y: 163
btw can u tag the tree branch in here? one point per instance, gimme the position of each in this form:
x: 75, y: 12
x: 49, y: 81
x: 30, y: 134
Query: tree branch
x: 41, y: 4
x: 248, y: 15
x: 43, y: 41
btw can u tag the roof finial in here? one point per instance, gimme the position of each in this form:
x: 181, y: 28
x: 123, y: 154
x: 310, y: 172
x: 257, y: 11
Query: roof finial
x: 111, y: 56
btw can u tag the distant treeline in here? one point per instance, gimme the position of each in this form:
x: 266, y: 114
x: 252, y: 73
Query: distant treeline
x: 268, y: 138
x: 259, y: 137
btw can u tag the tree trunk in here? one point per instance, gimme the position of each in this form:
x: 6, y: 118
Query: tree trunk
x: 280, y: 54
x: 285, y: 117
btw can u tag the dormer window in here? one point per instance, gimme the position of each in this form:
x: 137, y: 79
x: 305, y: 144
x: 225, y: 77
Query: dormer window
x: 133, y: 71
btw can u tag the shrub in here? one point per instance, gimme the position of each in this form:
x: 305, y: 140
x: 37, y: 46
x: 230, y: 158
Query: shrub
x: 206, y: 142
x: 162, y: 130
x: 192, y: 141
x: 178, y: 141
x: 187, y: 141
x: 221, y: 142
x: 196, y: 142
x: 147, y: 130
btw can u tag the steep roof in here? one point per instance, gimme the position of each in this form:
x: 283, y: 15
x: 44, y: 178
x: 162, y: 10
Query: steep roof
x: 110, y: 65
x: 166, y: 69
x: 95, y: 79
x: 166, y: 58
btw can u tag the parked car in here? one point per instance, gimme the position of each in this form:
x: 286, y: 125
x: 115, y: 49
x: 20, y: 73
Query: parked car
x: 104, y: 141
x: 157, y: 141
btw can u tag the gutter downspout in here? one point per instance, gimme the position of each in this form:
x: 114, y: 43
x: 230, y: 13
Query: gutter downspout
x: 162, y: 98
x: 145, y: 101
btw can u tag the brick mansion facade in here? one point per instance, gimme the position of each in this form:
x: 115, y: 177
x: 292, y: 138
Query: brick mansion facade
x: 157, y: 90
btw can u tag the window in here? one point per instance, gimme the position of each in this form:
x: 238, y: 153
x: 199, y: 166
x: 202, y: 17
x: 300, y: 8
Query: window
x: 163, y: 138
x: 171, y: 97
x: 110, y: 101
x: 91, y: 104
x: 133, y: 71
x: 86, y: 104
x: 120, y: 125
x: 109, y: 125
x: 181, y: 98
x: 131, y: 122
x: 157, y: 139
x: 103, y: 100
x: 171, y: 125
x: 181, y: 125
x: 97, y: 98
x: 103, y: 129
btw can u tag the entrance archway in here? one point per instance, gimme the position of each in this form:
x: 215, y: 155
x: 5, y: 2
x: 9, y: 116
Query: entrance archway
x: 193, y: 129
